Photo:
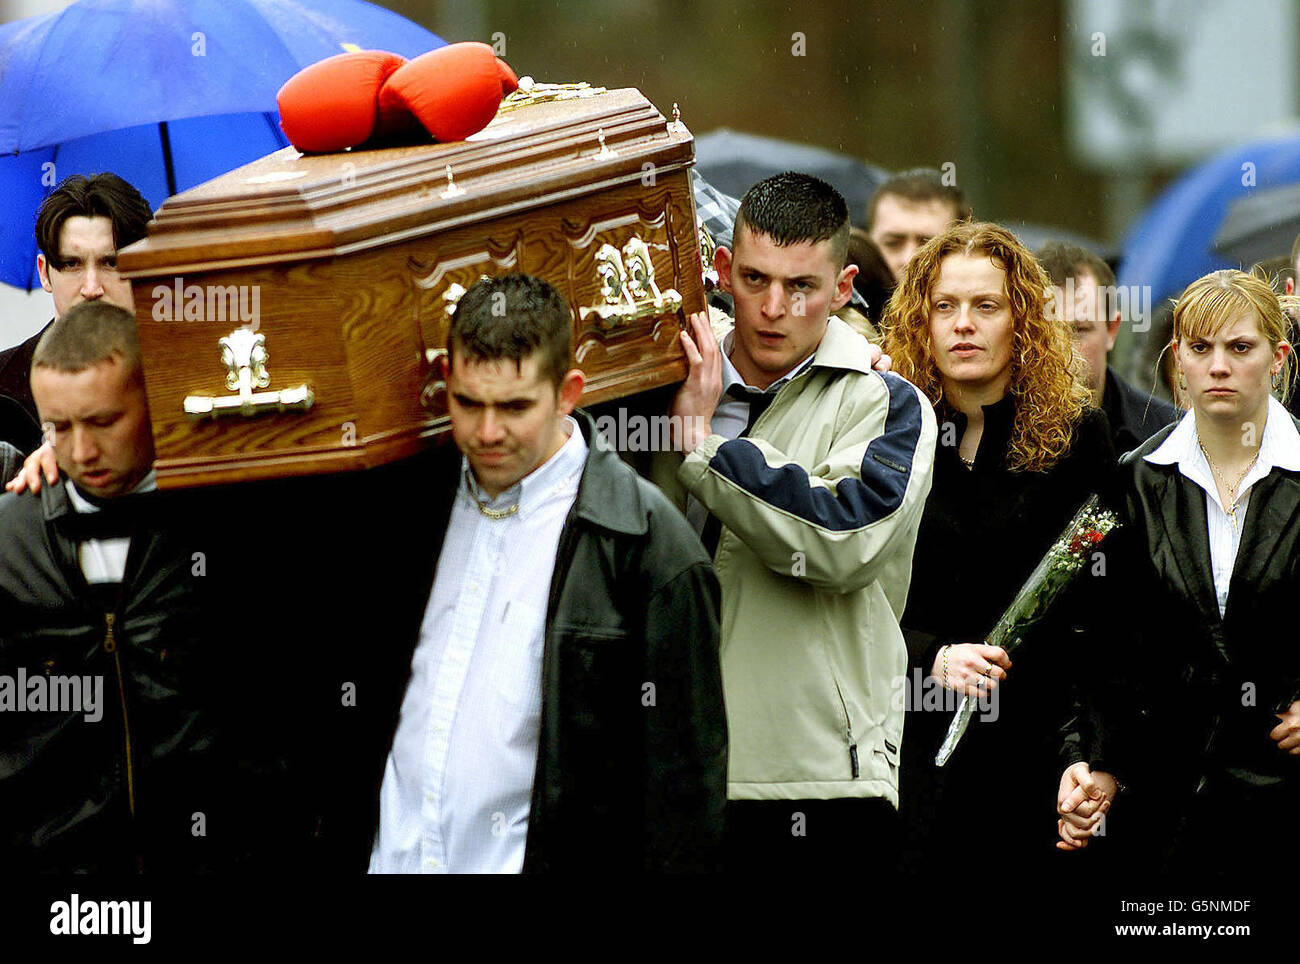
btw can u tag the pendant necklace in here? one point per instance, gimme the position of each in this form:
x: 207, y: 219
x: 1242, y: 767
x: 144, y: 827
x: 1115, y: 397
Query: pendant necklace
x: 1231, y: 489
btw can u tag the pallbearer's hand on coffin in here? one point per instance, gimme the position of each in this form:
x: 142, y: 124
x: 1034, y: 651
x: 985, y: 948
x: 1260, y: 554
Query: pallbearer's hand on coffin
x: 696, y: 400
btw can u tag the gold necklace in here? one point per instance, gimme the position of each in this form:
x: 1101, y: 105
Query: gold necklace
x: 496, y: 513
x: 1231, y: 489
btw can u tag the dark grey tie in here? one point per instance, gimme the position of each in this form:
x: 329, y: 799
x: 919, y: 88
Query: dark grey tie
x: 758, y: 403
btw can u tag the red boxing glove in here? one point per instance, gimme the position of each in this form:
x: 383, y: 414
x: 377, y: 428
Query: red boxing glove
x: 453, y: 91
x: 333, y: 104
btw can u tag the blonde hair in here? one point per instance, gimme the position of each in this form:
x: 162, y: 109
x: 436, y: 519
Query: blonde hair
x: 1050, y: 396
x: 1215, y: 300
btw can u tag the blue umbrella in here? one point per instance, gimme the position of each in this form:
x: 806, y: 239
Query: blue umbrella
x: 165, y: 93
x: 1173, y: 242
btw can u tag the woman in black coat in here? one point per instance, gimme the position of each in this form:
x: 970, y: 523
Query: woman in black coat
x: 1020, y: 450
x: 1200, y: 717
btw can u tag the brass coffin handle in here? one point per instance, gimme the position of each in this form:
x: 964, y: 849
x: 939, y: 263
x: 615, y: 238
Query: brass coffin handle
x: 627, y: 283
x: 244, y: 354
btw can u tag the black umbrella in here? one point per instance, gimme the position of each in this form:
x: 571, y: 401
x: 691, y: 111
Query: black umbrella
x: 733, y: 161
x: 1034, y: 236
x: 1261, y: 225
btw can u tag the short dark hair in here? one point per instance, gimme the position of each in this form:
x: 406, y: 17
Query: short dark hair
x: 88, y: 333
x: 1064, y: 259
x: 792, y: 208
x: 921, y: 184
x: 874, y: 281
x: 99, y: 195
x: 1295, y: 250
x: 512, y: 317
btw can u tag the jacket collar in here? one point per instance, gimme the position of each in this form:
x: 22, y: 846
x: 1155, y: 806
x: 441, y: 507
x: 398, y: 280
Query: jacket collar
x: 1133, y: 414
x: 840, y: 347
x: 1274, y: 509
x: 55, y: 503
x: 999, y: 421
x: 1183, y: 516
x: 607, y: 495
x: 1279, y: 447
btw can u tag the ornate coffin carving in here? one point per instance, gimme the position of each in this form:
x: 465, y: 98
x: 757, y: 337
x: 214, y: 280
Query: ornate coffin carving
x: 342, y: 268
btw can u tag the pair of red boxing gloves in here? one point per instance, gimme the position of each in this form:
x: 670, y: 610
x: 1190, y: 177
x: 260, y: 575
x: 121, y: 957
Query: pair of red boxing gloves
x: 349, y: 99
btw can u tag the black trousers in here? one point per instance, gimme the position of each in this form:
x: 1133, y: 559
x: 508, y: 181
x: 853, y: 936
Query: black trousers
x: 781, y: 836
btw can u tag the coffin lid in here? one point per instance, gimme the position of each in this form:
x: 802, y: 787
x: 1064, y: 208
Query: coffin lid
x: 288, y: 206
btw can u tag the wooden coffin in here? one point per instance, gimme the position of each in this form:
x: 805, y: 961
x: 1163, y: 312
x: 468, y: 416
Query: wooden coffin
x: 340, y: 269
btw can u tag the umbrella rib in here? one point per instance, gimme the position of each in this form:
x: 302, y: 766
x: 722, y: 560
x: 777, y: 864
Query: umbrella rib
x: 165, y: 136
x: 275, y: 129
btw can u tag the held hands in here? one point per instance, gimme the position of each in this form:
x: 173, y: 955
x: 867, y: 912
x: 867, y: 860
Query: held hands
x: 1287, y: 733
x: 1082, y: 800
x: 29, y: 476
x: 971, y: 668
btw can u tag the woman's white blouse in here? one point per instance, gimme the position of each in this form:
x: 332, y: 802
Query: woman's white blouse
x: 1279, y: 448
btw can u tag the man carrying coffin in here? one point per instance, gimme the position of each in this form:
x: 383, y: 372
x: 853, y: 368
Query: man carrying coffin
x: 107, y: 749
x: 564, y: 704
x: 808, y: 472
x: 80, y: 226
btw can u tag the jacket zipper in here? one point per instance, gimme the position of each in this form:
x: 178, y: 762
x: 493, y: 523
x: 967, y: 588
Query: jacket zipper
x: 848, y: 724
x: 848, y: 731
x: 110, y: 646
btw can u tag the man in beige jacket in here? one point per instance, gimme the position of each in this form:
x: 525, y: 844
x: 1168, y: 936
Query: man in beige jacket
x: 805, y: 472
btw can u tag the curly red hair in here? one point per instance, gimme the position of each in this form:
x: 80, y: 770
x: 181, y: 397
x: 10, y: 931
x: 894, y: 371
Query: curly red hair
x: 1050, y: 395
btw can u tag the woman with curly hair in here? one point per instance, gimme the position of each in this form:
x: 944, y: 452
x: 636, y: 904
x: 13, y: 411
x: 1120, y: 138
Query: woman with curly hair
x: 1203, y: 721
x: 1020, y: 450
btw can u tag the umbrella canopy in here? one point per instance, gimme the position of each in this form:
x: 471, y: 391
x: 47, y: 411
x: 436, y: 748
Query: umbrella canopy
x: 1172, y: 243
x: 733, y: 161
x: 1260, y: 226
x: 1034, y: 236
x: 165, y: 93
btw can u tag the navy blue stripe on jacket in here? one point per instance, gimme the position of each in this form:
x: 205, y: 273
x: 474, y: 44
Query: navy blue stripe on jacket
x: 885, y: 470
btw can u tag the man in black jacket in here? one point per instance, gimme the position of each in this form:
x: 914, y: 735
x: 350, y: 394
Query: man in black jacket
x: 564, y: 705
x: 1086, y: 296
x: 79, y: 228
x: 107, y: 746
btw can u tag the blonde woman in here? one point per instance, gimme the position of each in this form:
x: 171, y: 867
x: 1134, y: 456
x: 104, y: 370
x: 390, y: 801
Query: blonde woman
x: 1203, y: 724
x: 1020, y: 450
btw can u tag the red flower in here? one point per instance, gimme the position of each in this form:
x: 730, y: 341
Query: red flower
x: 1085, y: 541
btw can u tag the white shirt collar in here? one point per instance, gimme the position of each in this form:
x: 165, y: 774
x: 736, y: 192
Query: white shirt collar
x: 570, y: 459
x: 1279, y: 448
x: 81, y: 504
x: 732, y: 377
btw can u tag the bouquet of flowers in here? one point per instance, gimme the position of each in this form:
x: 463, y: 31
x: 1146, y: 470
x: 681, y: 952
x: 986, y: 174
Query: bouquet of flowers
x: 1054, y: 572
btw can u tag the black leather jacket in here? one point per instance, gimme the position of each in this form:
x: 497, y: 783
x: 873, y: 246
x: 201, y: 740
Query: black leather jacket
x: 1182, y: 696
x: 124, y: 792
x: 628, y: 778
